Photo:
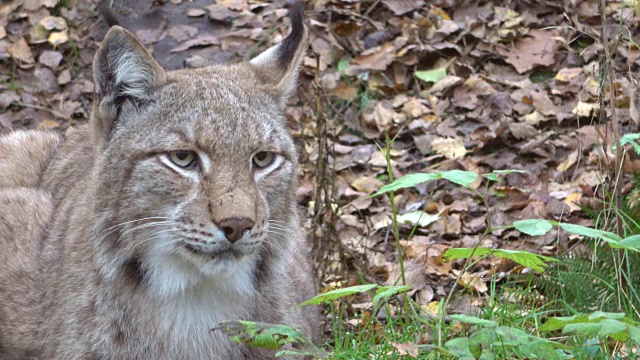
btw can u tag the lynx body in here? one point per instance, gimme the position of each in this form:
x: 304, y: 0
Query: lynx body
x: 171, y: 211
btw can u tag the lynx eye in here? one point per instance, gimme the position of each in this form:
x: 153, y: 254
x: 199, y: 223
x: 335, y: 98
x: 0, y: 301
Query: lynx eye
x: 263, y: 159
x: 183, y: 158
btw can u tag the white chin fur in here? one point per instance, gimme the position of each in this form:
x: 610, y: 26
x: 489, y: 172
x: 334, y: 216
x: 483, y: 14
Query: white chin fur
x: 171, y: 273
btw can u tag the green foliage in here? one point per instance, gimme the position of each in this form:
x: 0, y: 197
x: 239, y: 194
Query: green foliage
x: 338, y: 293
x: 433, y: 75
x: 460, y: 177
x: 601, y: 324
x: 385, y: 292
x: 504, y: 342
x: 270, y: 336
x: 524, y: 258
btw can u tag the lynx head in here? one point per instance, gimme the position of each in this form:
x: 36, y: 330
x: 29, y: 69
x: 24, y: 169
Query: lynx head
x: 195, y: 169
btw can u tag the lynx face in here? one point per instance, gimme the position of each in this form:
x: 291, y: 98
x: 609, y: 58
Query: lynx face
x: 205, y: 185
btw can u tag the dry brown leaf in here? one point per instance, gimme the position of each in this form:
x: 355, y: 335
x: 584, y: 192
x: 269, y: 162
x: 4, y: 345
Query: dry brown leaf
x: 367, y: 184
x: 203, y: 40
x: 50, y: 59
x: 584, y: 109
x: 21, y: 51
x: 377, y: 58
x: 53, y: 23
x: 471, y: 281
x: 536, y: 50
x: 195, y: 12
x: 409, y: 349
x: 452, y: 148
x: 401, y: 7
x: 221, y: 13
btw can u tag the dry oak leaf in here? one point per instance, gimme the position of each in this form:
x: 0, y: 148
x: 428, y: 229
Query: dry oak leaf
x: 584, y: 109
x: 530, y: 52
x: 409, y: 349
x: 400, y: 7
x: 451, y: 148
x: 21, y: 52
x: 568, y: 75
x: 367, y: 184
x: 471, y: 281
x: 466, y: 95
x: 221, y: 13
x: 53, y: 23
x: 377, y: 58
x: 203, y: 40
x: 50, y: 59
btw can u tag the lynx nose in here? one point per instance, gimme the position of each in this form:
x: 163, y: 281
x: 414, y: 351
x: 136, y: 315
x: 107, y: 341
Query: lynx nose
x: 234, y: 227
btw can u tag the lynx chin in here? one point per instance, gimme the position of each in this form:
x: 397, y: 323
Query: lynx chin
x: 172, y: 210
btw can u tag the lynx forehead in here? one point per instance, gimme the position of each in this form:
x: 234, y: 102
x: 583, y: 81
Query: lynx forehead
x: 172, y: 210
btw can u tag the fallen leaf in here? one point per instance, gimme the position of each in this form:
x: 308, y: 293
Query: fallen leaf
x: 53, y: 23
x: 401, y: 7
x: 221, y: 13
x: 433, y: 75
x: 419, y: 218
x: 203, y: 40
x: 181, y: 33
x: 377, y: 58
x: 367, y: 184
x: 195, y: 12
x: 50, y: 59
x: 471, y: 281
x: 57, y: 37
x: 584, y: 109
x: 538, y: 49
x: 452, y: 148
x: 409, y: 349
x: 21, y: 51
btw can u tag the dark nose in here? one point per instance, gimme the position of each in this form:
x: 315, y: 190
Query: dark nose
x: 234, y: 227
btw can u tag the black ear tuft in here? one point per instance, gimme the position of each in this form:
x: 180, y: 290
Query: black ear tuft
x: 278, y: 66
x: 290, y: 44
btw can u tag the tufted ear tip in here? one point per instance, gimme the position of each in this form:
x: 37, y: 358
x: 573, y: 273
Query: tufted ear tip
x: 279, y: 65
x: 123, y: 72
x: 123, y: 68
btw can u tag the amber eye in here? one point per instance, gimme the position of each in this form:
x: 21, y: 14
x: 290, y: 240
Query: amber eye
x: 263, y: 159
x: 183, y: 158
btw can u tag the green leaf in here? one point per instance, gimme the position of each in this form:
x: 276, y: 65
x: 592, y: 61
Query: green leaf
x: 474, y: 320
x: 338, y: 293
x: 463, y: 178
x: 269, y: 336
x: 494, y: 175
x: 419, y: 218
x: 343, y: 64
x: 464, y: 253
x: 610, y: 238
x: 408, y: 181
x: 524, y: 258
x: 385, y: 292
x: 597, y: 324
x: 533, y: 227
x: 433, y: 75
x: 631, y: 242
x: 534, y: 261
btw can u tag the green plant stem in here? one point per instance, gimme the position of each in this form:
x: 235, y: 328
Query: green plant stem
x: 396, y: 231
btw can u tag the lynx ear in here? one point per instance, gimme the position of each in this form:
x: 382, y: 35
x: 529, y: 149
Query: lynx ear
x: 123, y: 71
x: 278, y: 66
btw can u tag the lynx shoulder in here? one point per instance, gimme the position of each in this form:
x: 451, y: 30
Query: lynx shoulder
x: 171, y: 211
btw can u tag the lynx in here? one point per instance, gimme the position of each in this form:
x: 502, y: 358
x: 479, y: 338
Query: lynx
x: 172, y: 210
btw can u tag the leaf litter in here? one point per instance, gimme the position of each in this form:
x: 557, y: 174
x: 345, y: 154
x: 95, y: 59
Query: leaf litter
x: 474, y: 86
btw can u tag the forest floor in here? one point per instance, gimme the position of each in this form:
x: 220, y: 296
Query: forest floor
x: 469, y: 85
